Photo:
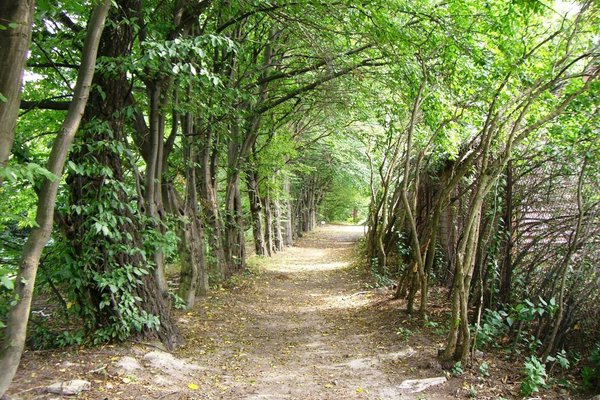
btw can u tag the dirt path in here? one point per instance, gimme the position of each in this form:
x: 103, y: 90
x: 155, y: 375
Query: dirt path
x: 305, y: 330
x: 306, y: 327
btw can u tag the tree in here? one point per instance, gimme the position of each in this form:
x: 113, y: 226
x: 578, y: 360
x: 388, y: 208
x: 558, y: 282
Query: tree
x: 458, y: 123
x: 110, y: 242
x: 16, y: 19
x: 14, y: 337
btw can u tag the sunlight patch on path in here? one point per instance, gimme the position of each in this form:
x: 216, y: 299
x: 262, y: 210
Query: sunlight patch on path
x: 306, y: 331
x: 314, y: 252
x: 333, y: 302
x: 308, y: 265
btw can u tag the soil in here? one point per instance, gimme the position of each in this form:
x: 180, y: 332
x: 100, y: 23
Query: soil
x: 306, y: 323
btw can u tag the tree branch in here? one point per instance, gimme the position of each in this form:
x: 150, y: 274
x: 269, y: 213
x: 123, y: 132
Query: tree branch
x: 313, y: 67
x: 45, y: 105
x: 324, y: 79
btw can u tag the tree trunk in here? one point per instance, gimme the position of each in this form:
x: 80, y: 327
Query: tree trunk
x: 288, y: 236
x: 154, y: 169
x: 239, y: 223
x: 208, y: 193
x: 412, y: 283
x: 268, y: 225
x: 372, y: 232
x: 312, y: 207
x: 417, y: 251
x: 506, y: 270
x: 100, y: 192
x: 256, y: 212
x: 194, y: 272
x: 16, y: 16
x: 234, y: 224
x: 18, y: 316
x: 278, y: 232
x: 459, y: 337
x: 234, y: 231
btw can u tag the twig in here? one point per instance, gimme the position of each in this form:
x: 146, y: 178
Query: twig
x: 103, y: 367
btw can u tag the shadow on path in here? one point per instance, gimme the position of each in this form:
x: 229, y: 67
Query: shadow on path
x: 306, y: 329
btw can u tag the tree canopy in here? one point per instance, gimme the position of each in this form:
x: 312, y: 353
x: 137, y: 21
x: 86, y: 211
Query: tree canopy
x: 464, y: 134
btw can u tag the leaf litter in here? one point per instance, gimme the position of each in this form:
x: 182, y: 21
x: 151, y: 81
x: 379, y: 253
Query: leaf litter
x: 302, y: 327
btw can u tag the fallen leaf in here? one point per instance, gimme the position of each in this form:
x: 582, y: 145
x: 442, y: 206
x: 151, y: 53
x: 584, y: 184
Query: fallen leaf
x: 193, y: 386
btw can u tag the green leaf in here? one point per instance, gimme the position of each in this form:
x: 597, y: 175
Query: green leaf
x: 7, y: 282
x: 43, y: 6
x: 529, y: 303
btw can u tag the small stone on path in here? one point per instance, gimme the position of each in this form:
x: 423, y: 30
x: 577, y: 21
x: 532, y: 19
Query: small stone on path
x: 69, y: 388
x: 399, y: 355
x: 128, y: 364
x: 168, y: 363
x: 418, y: 385
x: 360, y: 363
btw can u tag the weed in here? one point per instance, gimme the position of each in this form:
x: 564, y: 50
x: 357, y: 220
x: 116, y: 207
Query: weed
x: 380, y: 275
x: 439, y: 332
x: 457, y: 369
x: 177, y: 301
x: 494, y: 324
x: 472, y: 392
x: 534, y: 376
x: 431, y: 324
x: 561, y: 359
x: 404, y: 333
x: 484, y: 369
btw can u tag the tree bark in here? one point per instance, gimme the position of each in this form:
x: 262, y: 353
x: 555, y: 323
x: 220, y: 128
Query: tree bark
x: 18, y: 316
x: 268, y: 225
x: 103, y: 185
x: 194, y: 271
x: 507, y: 265
x: 288, y: 222
x: 208, y: 191
x: 277, y: 226
x: 153, y: 178
x: 256, y: 212
x: 17, y: 18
